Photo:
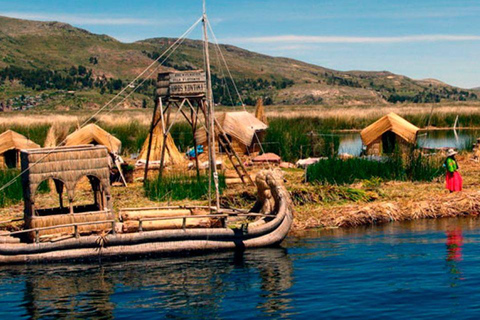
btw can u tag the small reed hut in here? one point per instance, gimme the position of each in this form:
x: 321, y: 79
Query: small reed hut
x: 241, y: 127
x: 10, y: 145
x: 388, y: 134
x: 66, y: 166
x: 93, y: 134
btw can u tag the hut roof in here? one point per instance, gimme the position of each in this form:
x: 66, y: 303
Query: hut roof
x: 241, y: 125
x: 10, y: 140
x: 390, y: 122
x: 93, y: 134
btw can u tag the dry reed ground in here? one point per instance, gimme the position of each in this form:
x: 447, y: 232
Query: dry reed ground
x: 394, y: 201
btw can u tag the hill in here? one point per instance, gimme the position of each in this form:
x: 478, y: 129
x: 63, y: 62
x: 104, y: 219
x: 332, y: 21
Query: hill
x: 44, y: 57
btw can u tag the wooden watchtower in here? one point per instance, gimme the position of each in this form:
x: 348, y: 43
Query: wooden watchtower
x: 186, y: 91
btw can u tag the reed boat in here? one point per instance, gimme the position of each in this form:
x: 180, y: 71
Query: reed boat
x: 94, y: 232
x: 69, y: 232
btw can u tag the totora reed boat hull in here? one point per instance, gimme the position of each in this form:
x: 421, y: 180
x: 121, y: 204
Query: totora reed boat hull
x: 273, y: 210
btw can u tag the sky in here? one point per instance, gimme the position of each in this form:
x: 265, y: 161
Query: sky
x: 417, y: 38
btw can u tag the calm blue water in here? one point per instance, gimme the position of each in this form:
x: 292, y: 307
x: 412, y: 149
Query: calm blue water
x: 351, y: 143
x: 421, y: 270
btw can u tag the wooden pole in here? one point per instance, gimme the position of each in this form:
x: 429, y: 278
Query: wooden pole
x: 210, y: 112
x: 194, y: 130
x: 150, y: 138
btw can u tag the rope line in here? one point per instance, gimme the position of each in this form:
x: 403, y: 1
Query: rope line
x: 236, y: 88
x: 177, y: 43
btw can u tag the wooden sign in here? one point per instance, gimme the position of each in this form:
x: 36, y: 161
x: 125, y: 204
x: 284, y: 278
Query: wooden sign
x: 182, y: 84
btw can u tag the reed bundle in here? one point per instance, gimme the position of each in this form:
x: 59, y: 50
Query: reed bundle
x: 172, y: 155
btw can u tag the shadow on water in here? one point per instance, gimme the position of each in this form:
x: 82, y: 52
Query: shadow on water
x: 199, y: 286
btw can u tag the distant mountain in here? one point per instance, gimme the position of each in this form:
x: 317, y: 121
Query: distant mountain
x: 55, y: 46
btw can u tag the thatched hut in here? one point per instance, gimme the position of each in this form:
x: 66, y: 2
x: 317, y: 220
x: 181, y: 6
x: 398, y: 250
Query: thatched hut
x: 10, y: 145
x: 242, y: 129
x: 66, y: 166
x: 93, y: 134
x: 388, y: 134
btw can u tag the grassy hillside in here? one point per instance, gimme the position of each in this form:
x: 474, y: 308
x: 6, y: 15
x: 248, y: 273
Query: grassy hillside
x: 101, y: 65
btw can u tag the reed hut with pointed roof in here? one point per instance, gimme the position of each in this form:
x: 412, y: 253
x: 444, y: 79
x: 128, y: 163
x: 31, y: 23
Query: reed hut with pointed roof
x: 389, y: 133
x: 241, y: 127
x: 93, y: 134
x: 10, y: 145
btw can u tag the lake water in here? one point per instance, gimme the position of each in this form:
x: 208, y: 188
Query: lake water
x: 416, y: 270
x: 351, y: 143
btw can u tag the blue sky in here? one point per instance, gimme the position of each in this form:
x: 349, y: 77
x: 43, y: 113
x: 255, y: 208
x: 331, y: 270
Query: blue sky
x: 421, y: 38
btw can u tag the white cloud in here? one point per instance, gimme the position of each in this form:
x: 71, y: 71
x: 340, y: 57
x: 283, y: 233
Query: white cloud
x: 295, y: 39
x: 83, y: 19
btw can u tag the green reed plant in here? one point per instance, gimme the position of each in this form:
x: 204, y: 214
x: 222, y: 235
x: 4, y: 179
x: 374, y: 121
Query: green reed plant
x: 414, y: 167
x: 180, y: 187
x: 295, y: 138
x: 13, y: 193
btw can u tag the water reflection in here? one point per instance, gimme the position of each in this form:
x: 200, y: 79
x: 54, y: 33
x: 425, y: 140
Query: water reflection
x: 454, y: 254
x: 199, y: 287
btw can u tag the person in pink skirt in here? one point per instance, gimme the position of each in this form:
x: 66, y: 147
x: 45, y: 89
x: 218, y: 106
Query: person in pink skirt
x: 453, y: 178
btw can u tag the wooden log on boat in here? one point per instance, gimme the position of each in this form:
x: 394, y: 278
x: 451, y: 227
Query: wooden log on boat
x: 8, y: 239
x: 133, y: 214
x: 134, y: 225
x: 65, y: 219
x: 272, y: 232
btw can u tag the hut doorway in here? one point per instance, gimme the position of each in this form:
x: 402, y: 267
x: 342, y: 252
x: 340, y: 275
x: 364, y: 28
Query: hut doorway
x: 388, y: 142
x: 11, y: 158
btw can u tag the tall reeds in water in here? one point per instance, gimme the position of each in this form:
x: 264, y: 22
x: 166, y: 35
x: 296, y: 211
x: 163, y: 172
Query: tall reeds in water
x: 414, y: 167
x: 180, y: 187
x: 295, y: 138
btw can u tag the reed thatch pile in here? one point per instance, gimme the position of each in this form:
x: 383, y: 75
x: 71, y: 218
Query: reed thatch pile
x: 172, y: 155
x: 260, y: 111
x: 93, y: 134
x: 443, y: 206
x: 56, y: 134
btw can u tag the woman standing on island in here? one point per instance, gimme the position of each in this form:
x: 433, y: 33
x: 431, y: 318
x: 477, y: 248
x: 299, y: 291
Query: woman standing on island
x: 453, y: 178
